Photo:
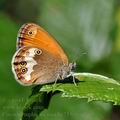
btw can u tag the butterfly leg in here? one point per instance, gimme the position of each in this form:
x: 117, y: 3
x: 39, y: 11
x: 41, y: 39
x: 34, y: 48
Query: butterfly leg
x: 72, y: 74
x: 74, y: 80
x: 58, y: 76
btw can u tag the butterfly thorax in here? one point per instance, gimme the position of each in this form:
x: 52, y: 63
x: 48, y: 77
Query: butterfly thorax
x: 66, y: 70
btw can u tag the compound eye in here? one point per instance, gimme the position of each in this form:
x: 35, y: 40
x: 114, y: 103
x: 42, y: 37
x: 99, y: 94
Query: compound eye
x: 24, y: 70
x: 38, y: 52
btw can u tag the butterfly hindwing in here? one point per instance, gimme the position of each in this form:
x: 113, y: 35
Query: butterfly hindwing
x: 35, y: 66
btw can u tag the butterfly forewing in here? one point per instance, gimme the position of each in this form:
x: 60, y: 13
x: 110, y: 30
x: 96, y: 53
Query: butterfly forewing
x: 33, y: 35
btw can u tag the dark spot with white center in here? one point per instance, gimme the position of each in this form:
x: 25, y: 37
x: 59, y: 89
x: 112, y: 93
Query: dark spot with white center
x: 24, y: 70
x: 38, y: 52
x: 23, y: 63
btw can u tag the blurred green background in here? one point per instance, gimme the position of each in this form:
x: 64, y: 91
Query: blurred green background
x: 89, y: 32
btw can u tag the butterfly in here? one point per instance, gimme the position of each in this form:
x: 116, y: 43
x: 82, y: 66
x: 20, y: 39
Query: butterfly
x: 39, y: 59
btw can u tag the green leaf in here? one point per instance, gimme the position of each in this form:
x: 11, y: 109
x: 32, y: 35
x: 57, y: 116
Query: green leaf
x: 36, y: 103
x: 33, y: 107
x: 90, y: 86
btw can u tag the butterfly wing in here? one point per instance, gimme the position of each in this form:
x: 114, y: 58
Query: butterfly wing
x: 33, y: 35
x: 32, y: 65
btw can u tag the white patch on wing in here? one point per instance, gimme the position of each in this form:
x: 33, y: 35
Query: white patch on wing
x: 30, y: 63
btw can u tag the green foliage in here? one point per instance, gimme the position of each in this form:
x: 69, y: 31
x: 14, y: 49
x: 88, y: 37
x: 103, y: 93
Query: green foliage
x: 90, y: 86
x: 34, y: 106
